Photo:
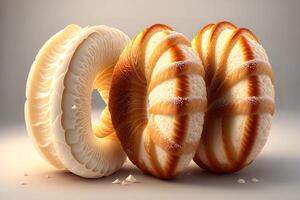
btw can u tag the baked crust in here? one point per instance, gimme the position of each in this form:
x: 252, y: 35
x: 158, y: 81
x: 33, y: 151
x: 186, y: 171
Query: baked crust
x: 135, y: 123
x: 228, y: 145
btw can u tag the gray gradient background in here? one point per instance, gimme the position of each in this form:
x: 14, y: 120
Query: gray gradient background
x: 26, y: 25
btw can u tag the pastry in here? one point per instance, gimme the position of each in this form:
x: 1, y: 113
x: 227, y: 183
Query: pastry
x: 157, y: 101
x: 240, y: 97
x: 58, y: 107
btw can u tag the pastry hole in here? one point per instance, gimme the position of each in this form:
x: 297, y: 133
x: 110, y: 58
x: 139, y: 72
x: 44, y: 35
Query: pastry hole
x: 98, y: 105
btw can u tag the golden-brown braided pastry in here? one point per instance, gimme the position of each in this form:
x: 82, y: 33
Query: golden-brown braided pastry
x: 156, y: 103
x: 240, y: 97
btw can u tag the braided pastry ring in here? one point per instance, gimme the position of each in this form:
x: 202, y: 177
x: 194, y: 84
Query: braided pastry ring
x: 156, y: 103
x: 240, y: 93
x: 58, y: 107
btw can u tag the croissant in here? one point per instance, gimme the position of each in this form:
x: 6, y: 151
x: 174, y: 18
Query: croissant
x: 157, y: 101
x: 240, y: 97
x: 58, y: 107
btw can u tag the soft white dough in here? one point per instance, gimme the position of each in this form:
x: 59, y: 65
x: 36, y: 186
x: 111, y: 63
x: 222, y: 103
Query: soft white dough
x: 89, y: 51
x: 39, y: 83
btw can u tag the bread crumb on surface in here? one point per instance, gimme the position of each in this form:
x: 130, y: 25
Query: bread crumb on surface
x: 131, y: 179
x: 241, y: 181
x: 254, y: 180
x: 124, y: 183
x: 117, y: 181
x: 47, y: 176
x: 25, y: 174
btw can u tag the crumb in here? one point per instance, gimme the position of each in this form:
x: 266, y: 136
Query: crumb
x: 23, y: 183
x: 74, y: 107
x: 47, y: 176
x: 131, y: 179
x: 242, y: 181
x: 117, y: 181
x: 124, y: 183
x: 25, y: 174
x: 254, y: 180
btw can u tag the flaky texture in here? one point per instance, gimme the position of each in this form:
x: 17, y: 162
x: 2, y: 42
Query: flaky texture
x: 240, y: 93
x: 58, y: 108
x: 156, y: 103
